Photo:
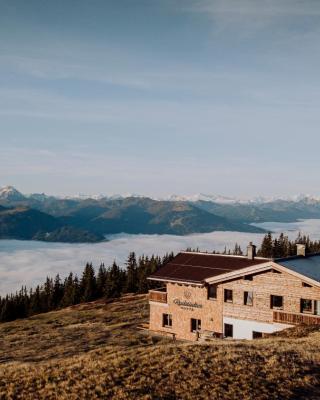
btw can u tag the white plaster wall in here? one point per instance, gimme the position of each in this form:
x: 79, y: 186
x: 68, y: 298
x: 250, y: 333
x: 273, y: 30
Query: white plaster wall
x: 242, y: 329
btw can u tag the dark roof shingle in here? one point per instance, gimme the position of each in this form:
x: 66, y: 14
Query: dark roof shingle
x: 195, y: 267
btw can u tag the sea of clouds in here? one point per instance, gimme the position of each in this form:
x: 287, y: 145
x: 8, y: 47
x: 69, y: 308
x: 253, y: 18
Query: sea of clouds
x: 30, y: 262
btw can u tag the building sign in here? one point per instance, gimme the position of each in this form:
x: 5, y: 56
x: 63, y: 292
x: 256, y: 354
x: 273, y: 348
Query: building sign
x: 186, y: 304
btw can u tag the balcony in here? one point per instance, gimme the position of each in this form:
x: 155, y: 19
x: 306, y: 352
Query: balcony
x: 158, y: 295
x: 295, y: 319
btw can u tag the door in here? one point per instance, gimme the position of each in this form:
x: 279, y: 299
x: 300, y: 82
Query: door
x: 228, y: 330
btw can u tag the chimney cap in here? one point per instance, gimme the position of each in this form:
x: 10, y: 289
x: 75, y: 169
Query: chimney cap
x: 251, y: 251
x: 301, y: 249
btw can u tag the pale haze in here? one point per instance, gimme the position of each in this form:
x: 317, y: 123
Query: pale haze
x: 160, y: 97
x: 28, y: 263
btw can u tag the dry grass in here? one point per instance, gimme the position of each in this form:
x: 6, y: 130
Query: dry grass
x: 95, y: 351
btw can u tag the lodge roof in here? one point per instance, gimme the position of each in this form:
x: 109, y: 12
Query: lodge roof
x: 308, y: 265
x: 196, y: 267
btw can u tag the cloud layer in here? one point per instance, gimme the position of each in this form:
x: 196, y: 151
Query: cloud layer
x: 29, y: 263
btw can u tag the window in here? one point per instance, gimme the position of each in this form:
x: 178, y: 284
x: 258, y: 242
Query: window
x: 304, y: 284
x: 228, y: 298
x: 195, y: 325
x: 276, y: 302
x: 228, y: 330
x: 167, y: 320
x: 248, y: 298
x: 256, y: 335
x: 212, y: 292
x: 317, y: 307
x: 248, y: 277
x: 305, y: 306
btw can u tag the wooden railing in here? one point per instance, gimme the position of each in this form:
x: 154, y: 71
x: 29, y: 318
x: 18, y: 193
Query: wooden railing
x: 158, y: 295
x: 295, y: 319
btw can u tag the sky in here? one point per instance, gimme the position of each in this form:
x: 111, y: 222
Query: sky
x: 160, y: 97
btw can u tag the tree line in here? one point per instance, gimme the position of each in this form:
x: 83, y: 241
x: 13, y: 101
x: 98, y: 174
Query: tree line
x: 281, y: 246
x: 108, y: 282
x: 274, y: 247
x: 113, y: 281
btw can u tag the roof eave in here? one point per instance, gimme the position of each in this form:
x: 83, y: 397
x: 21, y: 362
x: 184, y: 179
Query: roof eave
x: 169, y: 280
x: 240, y: 272
x: 261, y: 268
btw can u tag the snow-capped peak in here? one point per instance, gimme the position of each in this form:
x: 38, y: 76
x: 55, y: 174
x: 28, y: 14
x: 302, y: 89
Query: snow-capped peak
x: 10, y: 193
x: 204, y: 197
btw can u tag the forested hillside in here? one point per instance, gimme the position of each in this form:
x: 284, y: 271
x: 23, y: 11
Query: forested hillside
x: 108, y: 282
x: 89, y: 220
x: 112, y: 281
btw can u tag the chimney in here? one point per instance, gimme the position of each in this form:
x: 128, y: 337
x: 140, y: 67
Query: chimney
x: 251, y: 251
x: 301, y: 250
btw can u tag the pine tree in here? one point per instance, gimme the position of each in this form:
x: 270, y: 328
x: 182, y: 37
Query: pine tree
x: 131, y: 272
x: 114, y: 281
x: 266, y: 249
x: 57, y: 292
x: 69, y: 292
x: 47, y: 295
x: 237, y: 250
x: 88, y: 284
x: 35, y: 302
x: 101, y: 281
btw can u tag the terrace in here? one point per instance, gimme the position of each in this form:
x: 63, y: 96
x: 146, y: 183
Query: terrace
x: 158, y: 295
x: 295, y: 318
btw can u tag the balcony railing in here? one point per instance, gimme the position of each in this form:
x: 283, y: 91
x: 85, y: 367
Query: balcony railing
x: 295, y: 319
x: 158, y: 295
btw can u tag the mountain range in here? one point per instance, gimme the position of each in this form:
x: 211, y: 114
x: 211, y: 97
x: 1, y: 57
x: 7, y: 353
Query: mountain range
x: 86, y: 219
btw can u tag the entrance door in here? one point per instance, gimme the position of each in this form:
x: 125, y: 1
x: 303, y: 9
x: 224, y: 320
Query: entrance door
x: 195, y: 325
x: 228, y: 330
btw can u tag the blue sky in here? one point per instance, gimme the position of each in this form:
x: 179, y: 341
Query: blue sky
x: 159, y: 97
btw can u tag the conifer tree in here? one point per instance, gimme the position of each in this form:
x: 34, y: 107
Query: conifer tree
x: 101, y: 281
x: 131, y: 281
x: 35, y: 302
x: 266, y: 249
x: 88, y: 284
x: 69, y: 292
x: 114, y: 282
x: 57, y: 291
x: 47, y: 295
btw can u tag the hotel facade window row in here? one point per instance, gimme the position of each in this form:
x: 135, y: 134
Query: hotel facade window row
x: 233, y: 296
x: 276, y: 302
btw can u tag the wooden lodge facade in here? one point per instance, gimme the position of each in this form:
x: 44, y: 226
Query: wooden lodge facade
x: 234, y: 296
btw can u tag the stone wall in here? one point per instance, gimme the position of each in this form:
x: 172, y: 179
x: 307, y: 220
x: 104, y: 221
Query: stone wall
x: 184, y: 301
x: 263, y: 286
x: 210, y: 312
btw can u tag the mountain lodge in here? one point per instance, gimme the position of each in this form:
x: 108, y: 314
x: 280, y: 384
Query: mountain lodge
x: 241, y: 297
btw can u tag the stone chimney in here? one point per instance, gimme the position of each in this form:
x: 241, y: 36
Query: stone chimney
x: 251, y: 251
x: 301, y: 250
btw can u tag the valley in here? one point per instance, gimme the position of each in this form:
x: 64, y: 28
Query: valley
x: 89, y: 220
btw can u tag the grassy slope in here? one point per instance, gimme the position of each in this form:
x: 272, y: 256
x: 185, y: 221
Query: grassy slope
x: 95, y: 351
